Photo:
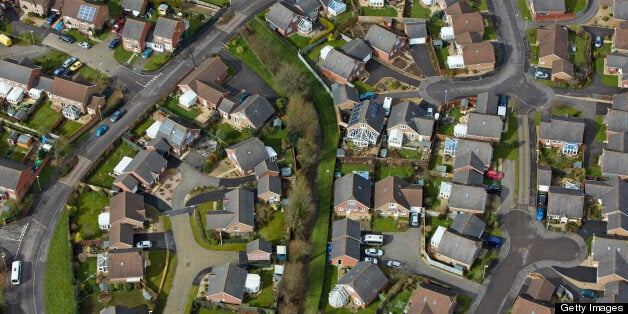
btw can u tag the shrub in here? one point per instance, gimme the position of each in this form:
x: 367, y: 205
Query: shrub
x: 605, y: 18
x: 239, y: 49
x: 29, y: 21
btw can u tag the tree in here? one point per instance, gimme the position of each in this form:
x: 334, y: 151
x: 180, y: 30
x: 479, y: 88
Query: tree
x: 293, y: 283
x: 307, y: 154
x: 292, y: 79
x: 300, y: 209
x: 301, y: 119
x: 299, y: 250
x: 62, y: 147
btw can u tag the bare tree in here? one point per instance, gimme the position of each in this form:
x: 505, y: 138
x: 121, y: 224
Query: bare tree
x: 292, y: 80
x: 299, y: 250
x: 300, y: 209
x: 293, y: 283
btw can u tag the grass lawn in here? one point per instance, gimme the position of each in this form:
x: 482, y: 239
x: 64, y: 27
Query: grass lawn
x: 156, y: 270
x: 191, y: 297
x: 79, y: 36
x: 448, y: 129
x: 45, y: 174
x: 610, y: 80
x: 221, y: 3
x: 579, y: 57
x: 59, y: 290
x: 88, y: 207
x: 434, y: 26
x: 442, y: 55
x: 299, y: 41
x: 386, y: 11
x: 314, y: 53
x: 275, y: 229
x: 389, y: 224
x: 566, y: 110
x: 363, y: 87
x: 534, y: 54
x: 231, y: 136
x: 477, y: 271
x: 575, y: 5
x: 410, y: 153
x: 600, y: 129
x: 167, y: 284
x: 69, y: 128
x: 101, y: 177
x: 347, y: 168
x: 4, y: 146
x: 525, y: 10
x: 532, y: 36
x: 435, y: 222
x: 509, y: 144
x: 265, y: 297
x: 141, y: 128
x: 28, y: 38
x: 203, y: 208
x: 419, y: 11
x: 86, y: 269
x: 537, y: 118
x: 202, y: 241
x: 44, y: 116
x: 172, y: 104
x: 251, y: 60
x: 482, y: 7
x: 463, y: 303
x: 156, y: 61
x: 121, y: 55
x: 274, y: 139
x: 51, y: 60
x: 344, y: 17
x: 115, y: 9
x: 489, y: 33
x: 404, y: 172
x: 398, y: 304
x: 90, y: 73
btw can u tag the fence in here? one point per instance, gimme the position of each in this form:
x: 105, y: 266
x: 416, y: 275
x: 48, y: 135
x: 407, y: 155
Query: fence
x: 372, y: 19
x: 443, y: 266
x: 314, y: 44
x: 84, y: 128
x: 230, y: 307
x: 318, y: 78
x: 391, y: 161
x: 130, y: 143
x: 90, y: 242
x: 206, y: 4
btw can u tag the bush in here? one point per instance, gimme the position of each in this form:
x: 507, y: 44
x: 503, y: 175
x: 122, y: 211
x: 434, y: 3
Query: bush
x: 330, y: 27
x: 605, y: 18
x: 240, y: 50
x: 128, y: 287
x: 29, y: 21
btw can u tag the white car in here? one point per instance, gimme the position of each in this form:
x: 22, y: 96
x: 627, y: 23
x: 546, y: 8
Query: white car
x: 85, y: 45
x: 394, y: 264
x: 373, y: 252
x: 541, y: 75
x: 144, y: 244
x: 372, y: 260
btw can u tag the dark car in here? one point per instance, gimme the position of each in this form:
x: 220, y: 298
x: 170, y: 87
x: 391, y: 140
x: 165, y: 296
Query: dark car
x: 67, y: 38
x: 117, y: 115
x: 494, y: 189
x: 114, y: 43
x: 52, y: 18
x: 503, y: 100
x: 493, y: 241
x: 66, y: 72
x: 540, y: 213
x: 58, y: 72
x: 589, y: 294
x: 542, y: 199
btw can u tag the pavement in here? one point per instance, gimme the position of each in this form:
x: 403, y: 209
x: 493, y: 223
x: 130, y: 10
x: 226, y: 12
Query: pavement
x: 99, y: 57
x: 524, y: 159
x: 159, y: 240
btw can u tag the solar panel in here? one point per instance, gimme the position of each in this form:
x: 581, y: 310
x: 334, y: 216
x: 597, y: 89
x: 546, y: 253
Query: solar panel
x: 86, y: 13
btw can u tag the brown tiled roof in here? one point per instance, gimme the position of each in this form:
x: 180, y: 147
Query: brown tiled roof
x: 525, y: 306
x: 458, y: 8
x: 71, y: 8
x: 208, y: 71
x: 468, y: 38
x: 396, y: 190
x: 119, y: 234
x: 468, y: 22
x: 621, y: 38
x: 553, y: 40
x: 126, y: 265
x: 479, y: 53
x: 563, y: 66
x: 126, y: 205
x: 429, y: 298
x: 71, y: 89
x: 209, y: 91
x: 541, y: 289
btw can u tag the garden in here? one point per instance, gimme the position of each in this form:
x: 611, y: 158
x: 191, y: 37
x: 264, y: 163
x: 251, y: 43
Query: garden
x: 43, y: 118
x: 84, y: 215
x: 102, y: 175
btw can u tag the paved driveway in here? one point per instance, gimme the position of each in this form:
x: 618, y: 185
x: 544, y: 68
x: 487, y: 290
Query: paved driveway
x: 420, y: 54
x: 98, y: 57
x: 378, y: 71
x: 160, y: 240
x: 246, y: 79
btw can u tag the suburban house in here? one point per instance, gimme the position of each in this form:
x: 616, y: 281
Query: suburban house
x: 134, y: 35
x: 333, y: 7
x: 246, y: 154
x: 614, y: 292
x: 16, y: 179
x: 362, y: 284
x: 226, y: 284
x: 396, y: 197
x: 468, y: 225
x: 134, y: 7
x: 525, y: 305
x: 365, y: 123
x: 40, y: 7
x: 212, y: 70
x: 616, y: 121
x: 167, y: 33
x: 259, y: 251
x: 385, y: 44
x: 146, y: 168
x: 344, y: 96
x: 459, y: 147
x: 286, y: 21
x: 345, y: 252
x: 543, y: 178
x: 127, y: 208
x: 178, y: 133
x: 74, y: 96
x: 620, y: 40
x: 468, y: 177
x: 566, y: 133
x: 205, y: 93
x: 469, y: 161
x: 125, y: 267
x: 252, y: 113
x: 612, y: 197
x: 454, y: 249
x: 429, y: 298
x: 484, y: 127
x: 470, y: 199
x: 120, y: 236
x: 562, y: 71
x: 547, y: 9
x: 309, y: 8
x: 478, y: 56
x: 620, y: 102
x: 457, y: 8
x: 266, y: 168
x: 553, y: 44
x: 486, y: 103
x: 540, y: 289
x: 468, y: 22
x: 618, y: 142
x: 346, y: 228
x: 87, y: 17
x: 269, y: 189
x: 18, y: 74
x: 340, y: 67
x: 610, y: 256
x: 237, y: 215
x: 352, y: 196
x: 410, y: 123
x: 616, y: 64
x: 614, y: 164
x: 357, y: 49
x: 565, y: 204
x: 416, y: 30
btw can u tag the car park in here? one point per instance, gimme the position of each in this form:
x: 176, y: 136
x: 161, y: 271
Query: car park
x: 117, y: 26
x: 493, y: 241
x: 101, y: 130
x: 371, y: 260
x: 69, y: 61
x: 414, y: 219
x: 589, y: 294
x: 393, y: 264
x: 117, y: 115
x: 541, y: 75
x: 114, y: 43
x: 598, y: 41
x: 494, y: 174
x: 144, y: 244
x: 494, y: 189
x: 84, y: 45
x: 76, y: 65
x: 540, y: 213
x: 67, y: 38
x: 52, y: 18
x: 147, y: 53
x: 374, y: 252
x: 58, y: 72
x: 542, y: 199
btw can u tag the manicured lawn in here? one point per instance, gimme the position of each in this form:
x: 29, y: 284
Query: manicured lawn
x: 299, y: 41
x: 419, y: 11
x: 489, y: 33
x: 231, y: 135
x: 88, y: 207
x: 448, y: 129
x: 141, y: 128
x: 389, y: 224
x: 525, y: 10
x: 442, y: 55
x: 156, y: 61
x: 101, y: 176
x: 575, y: 5
x: 435, y: 222
x: 203, y: 208
x: 275, y: 230
x: 115, y: 9
x: 59, y: 290
x: 167, y: 284
x: 44, y: 117
x: 69, y: 127
x: 156, y: 270
x: 191, y: 297
x: 265, y: 297
x: 51, y: 60
x: 121, y: 55
x: 347, y: 168
x: 404, y: 172
x: 90, y: 73
x: 363, y: 87
x: 386, y: 11
x: 610, y: 80
x: 410, y: 153
x: 314, y: 53
x: 600, y: 129
x: 172, y: 104
x: 508, y: 147
x: 579, y: 57
x: 566, y: 110
x: 398, y: 304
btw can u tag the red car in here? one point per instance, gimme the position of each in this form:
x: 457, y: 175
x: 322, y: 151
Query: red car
x: 117, y: 26
x: 494, y: 174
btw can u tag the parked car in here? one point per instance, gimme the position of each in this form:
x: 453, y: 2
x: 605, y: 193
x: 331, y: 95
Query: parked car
x: 494, y: 174
x: 144, y: 244
x: 52, y: 18
x: 69, y: 61
x: 414, y: 219
x: 59, y: 26
x: 372, y: 260
x: 598, y: 41
x: 67, y: 38
x: 243, y: 97
x: 494, y: 189
x: 367, y: 95
x: 58, y: 71
x: 540, y: 213
x: 589, y: 294
x: 114, y: 43
x: 393, y: 264
x: 493, y: 241
x: 117, y: 26
x: 101, y: 130
x: 374, y: 252
x: 503, y: 100
x: 541, y: 75
x: 77, y: 65
x: 66, y: 72
x: 542, y: 199
x: 117, y: 115
x: 85, y: 45
x: 147, y: 53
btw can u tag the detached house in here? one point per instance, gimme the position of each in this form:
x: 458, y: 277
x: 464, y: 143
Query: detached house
x: 178, y: 133
x: 286, y: 21
x: 429, y: 298
x: 266, y: 168
x: 547, y: 9
x: 340, y: 67
x: 226, y: 284
x: 478, y: 56
x: 167, y: 34
x: 247, y: 154
x: 553, y: 51
x: 345, y: 236
x: 134, y: 35
x: 205, y: 93
x: 125, y: 267
x: 344, y: 96
x: 616, y: 122
x: 309, y: 8
x: 468, y: 225
x: 412, y: 123
x: 211, y: 70
x: 484, y: 127
x: 482, y: 150
x: 127, y: 208
x: 385, y: 44
x: 398, y: 198
x: 252, y: 113
x: 269, y: 189
x: 454, y: 249
x: 620, y: 40
x: 470, y: 199
x: 352, y: 196
x: 74, y: 97
x: 134, y: 7
x: 614, y: 164
x: 566, y: 133
x: 610, y: 257
x: 40, y: 7
x: 617, y: 64
x: 365, y: 123
x: 565, y: 204
x: 468, y: 22
x: 259, y: 251
x: 87, y: 17
x: 468, y: 169
x: 362, y: 284
x: 357, y: 49
x: 16, y: 179
x: 237, y: 215
x: 612, y: 196
x: 145, y: 169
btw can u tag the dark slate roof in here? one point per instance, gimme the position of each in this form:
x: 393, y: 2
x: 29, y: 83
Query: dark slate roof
x: 345, y: 246
x: 134, y: 29
x: 339, y: 63
x: 620, y: 101
x: 227, y: 104
x: 485, y: 125
x: 617, y: 120
x: 613, y: 194
x: 177, y: 132
x: 544, y: 175
x: 133, y: 5
x: 280, y: 15
x: 617, y: 220
x: 614, y: 163
x: 469, y: 159
x: 258, y: 245
x: 366, y: 279
x: 468, y: 177
x: 381, y: 38
x: 307, y: 6
x: 227, y: 278
x: 468, y: 225
x: 615, y: 292
x: 264, y: 167
x: 166, y: 26
x: 160, y: 144
x: 616, y: 60
x: 611, y: 256
x: 239, y: 206
x: 346, y: 227
x: 549, y: 5
x: 257, y: 109
x: 618, y: 142
x: 412, y: 115
x: 352, y: 187
x: 249, y: 152
x: 127, y: 180
x: 43, y: 83
x: 566, y: 129
x: 357, y: 48
x: 565, y: 202
x: 269, y: 184
x: 483, y: 150
x: 415, y: 28
x: 620, y: 10
x: 487, y: 103
x: 468, y: 197
x: 147, y: 165
x: 458, y: 248
x: 367, y: 112
x: 342, y: 93
x: 10, y: 172
x: 13, y: 71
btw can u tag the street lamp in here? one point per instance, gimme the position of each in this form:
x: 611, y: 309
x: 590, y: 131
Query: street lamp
x: 484, y: 271
x: 3, y: 262
x: 32, y: 38
x: 39, y: 185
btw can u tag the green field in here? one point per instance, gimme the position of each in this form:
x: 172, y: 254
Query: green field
x: 59, y: 292
x: 101, y: 177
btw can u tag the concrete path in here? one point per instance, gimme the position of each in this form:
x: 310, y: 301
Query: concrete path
x: 524, y: 160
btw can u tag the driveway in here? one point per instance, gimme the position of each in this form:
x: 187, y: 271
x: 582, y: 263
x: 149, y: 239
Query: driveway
x: 378, y: 71
x: 160, y: 240
x: 420, y: 54
x: 246, y: 79
x: 98, y: 57
x: 21, y: 27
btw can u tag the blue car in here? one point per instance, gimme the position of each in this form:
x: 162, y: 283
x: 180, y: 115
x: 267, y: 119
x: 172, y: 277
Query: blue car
x: 102, y: 130
x: 58, y: 71
x: 147, y: 53
x: 367, y: 95
x: 59, y: 26
x: 503, y: 100
x: 114, y: 43
x: 540, y: 213
x: 492, y: 240
x: 589, y: 294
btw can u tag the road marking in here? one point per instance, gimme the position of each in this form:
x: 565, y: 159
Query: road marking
x: 19, y: 245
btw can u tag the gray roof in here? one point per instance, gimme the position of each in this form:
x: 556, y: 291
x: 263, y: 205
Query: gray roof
x: 239, y: 207
x: 166, y: 26
x: 381, y: 38
x: 485, y: 125
x: 134, y: 29
x: 565, y: 202
x: 487, y: 103
x: 483, y: 150
x: 346, y: 227
x: 119, y: 309
x: 269, y: 184
x: 544, y: 175
x: 617, y: 120
x: 227, y: 104
x: 10, y: 172
x: 127, y: 180
x: 227, y: 278
x: 611, y: 256
x: 549, y: 5
x: 615, y: 292
x: 566, y: 129
x: 257, y: 109
x: 614, y: 163
x: 133, y: 5
x: 468, y: 197
x: 160, y: 144
x: 249, y: 152
x: 620, y: 10
x: 468, y: 225
x: 177, y: 132
x: 258, y: 245
x: 415, y: 28
x: 366, y: 279
x: 613, y: 194
x: 352, y: 187
x: 458, y: 248
x: 618, y: 142
x: 469, y: 159
x: 24, y: 138
x: 264, y: 167
x: 280, y: 15
x: 308, y: 6
x: 620, y: 101
x: 368, y: 112
x: 343, y: 92
x: 616, y: 60
x: 412, y: 115
x: 339, y: 63
x: 13, y: 71
x: 43, y: 83
x: 147, y: 165
x: 345, y: 246
x: 468, y: 177
x: 617, y: 220
x: 357, y: 48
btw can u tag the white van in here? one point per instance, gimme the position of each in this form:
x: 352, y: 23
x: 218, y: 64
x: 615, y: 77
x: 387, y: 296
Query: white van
x: 373, y: 239
x: 16, y: 272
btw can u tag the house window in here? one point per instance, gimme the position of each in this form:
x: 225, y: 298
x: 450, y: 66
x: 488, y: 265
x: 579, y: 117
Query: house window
x: 289, y: 30
x: 392, y: 205
x: 363, y: 125
x: 403, y: 127
x: 351, y: 202
x: 341, y: 209
x: 362, y: 210
x: 236, y: 229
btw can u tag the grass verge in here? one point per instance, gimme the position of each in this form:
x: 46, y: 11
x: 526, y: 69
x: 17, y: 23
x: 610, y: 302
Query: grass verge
x: 59, y: 291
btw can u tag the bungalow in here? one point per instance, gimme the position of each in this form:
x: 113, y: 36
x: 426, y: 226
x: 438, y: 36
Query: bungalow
x: 344, y: 96
x: 610, y: 257
x: 410, y: 122
x: 616, y: 121
x: 211, y: 70
x: 398, y: 198
x: 178, y: 133
x: 127, y: 208
x: 247, y: 154
x: 470, y: 199
x: 363, y: 282
x: 543, y: 178
x: 352, y: 196
x: 357, y: 49
x: 566, y: 133
x: 18, y: 74
x: 87, y: 17
x: 226, y: 284
x: 340, y: 67
x: 454, y: 249
x: 74, y: 96
x: 237, y: 215
x: 269, y: 189
x: 553, y: 44
x: 266, y: 168
x: 416, y: 30
x: 385, y: 44
x: 168, y: 32
x: 134, y: 7
x: 614, y: 164
x: 259, y: 251
x: 429, y: 298
x: 478, y: 56
x: 125, y: 267
x: 16, y: 179
x: 146, y: 168
x: 346, y: 228
x: 484, y: 127
x: 134, y: 35
x: 365, y: 123
x: 286, y: 21
x: 620, y: 40
x: 547, y: 9
x: 468, y: 225
x: 252, y: 113
x: 612, y: 196
x: 345, y: 252
x: 565, y: 204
